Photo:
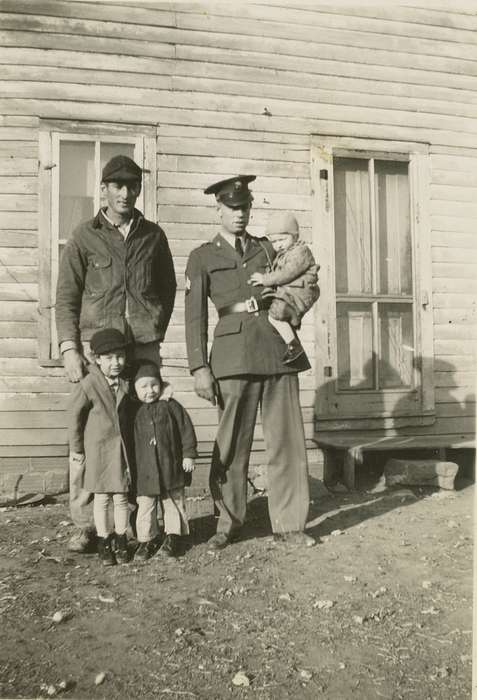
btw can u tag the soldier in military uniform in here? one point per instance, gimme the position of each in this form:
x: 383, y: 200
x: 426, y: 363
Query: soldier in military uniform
x: 245, y: 370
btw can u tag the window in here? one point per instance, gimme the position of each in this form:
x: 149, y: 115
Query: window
x: 374, y: 350
x: 72, y: 156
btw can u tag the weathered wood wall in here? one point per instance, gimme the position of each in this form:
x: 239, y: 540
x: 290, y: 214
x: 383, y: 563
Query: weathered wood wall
x: 232, y: 88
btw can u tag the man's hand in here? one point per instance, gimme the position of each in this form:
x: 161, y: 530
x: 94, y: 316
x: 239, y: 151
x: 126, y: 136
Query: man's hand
x: 205, y: 385
x: 188, y: 464
x: 256, y: 279
x: 74, y: 364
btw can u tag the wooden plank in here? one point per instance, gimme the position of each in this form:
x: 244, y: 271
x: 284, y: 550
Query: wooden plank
x: 453, y: 195
x: 268, y: 185
x: 20, y: 239
x: 454, y: 270
x: 441, y: 254
x: 461, y: 346
x: 33, y: 450
x: 26, y: 367
x: 219, y: 101
x: 18, y: 292
x: 37, y: 386
x: 18, y: 166
x: 33, y: 402
x: 17, y: 133
x: 276, y: 202
x: 18, y: 202
x: 18, y: 310
x: 18, y: 347
x: 21, y: 220
x: 464, y: 363
x: 18, y: 185
x: 454, y: 315
x: 16, y: 329
x: 226, y: 166
x: 85, y: 10
x: 453, y: 224
x: 456, y: 286
x: 455, y: 379
x: 22, y: 120
x: 451, y: 301
x: 290, y: 153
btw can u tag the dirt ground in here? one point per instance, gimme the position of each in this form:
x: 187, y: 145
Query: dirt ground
x: 381, y: 608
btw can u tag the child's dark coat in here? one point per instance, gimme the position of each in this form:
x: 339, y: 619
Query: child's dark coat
x: 163, y: 436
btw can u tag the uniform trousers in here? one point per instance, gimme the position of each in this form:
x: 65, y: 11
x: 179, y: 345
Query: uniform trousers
x: 81, y: 509
x: 173, y: 510
x: 283, y: 432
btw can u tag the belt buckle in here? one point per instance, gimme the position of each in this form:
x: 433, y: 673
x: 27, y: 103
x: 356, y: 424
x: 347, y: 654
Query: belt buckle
x: 251, y: 305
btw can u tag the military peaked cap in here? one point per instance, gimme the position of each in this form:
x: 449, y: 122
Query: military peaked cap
x: 234, y: 191
x: 121, y: 169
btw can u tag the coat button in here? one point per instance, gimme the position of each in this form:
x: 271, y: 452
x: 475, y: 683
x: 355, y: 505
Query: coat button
x: 244, y: 265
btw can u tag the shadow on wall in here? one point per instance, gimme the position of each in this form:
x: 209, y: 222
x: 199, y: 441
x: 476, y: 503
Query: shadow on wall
x: 454, y: 417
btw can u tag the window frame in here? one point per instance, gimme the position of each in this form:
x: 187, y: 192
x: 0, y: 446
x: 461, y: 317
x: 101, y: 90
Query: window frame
x: 51, y: 132
x: 371, y: 408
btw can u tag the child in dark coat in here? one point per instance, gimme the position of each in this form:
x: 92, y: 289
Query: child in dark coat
x: 165, y: 448
x: 100, y: 439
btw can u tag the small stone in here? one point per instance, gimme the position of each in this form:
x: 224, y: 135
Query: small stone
x: 284, y: 596
x: 341, y: 666
x: 306, y: 675
x: 430, y: 611
x: 452, y: 524
x: 100, y: 678
x: 359, y: 619
x: 51, y: 691
x: 323, y: 604
x: 335, y: 533
x: 179, y: 631
x: 426, y: 584
x: 350, y: 579
x: 58, y: 617
x: 241, y: 679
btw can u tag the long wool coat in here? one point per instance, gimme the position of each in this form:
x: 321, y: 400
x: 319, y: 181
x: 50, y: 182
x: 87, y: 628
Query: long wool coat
x: 99, y: 427
x: 163, y: 436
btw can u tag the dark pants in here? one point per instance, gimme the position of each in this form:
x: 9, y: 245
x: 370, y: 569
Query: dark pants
x: 282, y: 422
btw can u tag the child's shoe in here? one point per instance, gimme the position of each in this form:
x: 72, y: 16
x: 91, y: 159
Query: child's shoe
x: 105, y: 551
x: 294, y: 351
x: 170, y: 546
x: 144, y: 551
x: 122, y: 554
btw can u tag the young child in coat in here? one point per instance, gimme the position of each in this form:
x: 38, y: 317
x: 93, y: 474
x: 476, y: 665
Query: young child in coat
x: 293, y: 277
x: 165, y: 447
x: 100, y: 439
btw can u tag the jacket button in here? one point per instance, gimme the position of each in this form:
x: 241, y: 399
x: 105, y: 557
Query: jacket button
x: 244, y: 265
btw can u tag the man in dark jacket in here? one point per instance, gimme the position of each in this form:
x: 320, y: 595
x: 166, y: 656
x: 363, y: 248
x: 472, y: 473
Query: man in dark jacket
x: 245, y: 370
x: 116, y: 271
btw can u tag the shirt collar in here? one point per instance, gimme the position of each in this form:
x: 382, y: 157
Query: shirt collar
x: 230, y: 238
x: 123, y: 229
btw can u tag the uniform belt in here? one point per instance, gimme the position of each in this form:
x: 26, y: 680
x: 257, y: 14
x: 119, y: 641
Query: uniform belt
x: 250, y: 306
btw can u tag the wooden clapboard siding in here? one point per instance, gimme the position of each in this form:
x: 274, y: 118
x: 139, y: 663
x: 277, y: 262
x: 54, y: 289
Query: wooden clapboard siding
x: 234, y: 88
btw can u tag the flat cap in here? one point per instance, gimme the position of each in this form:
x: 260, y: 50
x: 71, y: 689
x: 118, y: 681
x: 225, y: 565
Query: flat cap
x: 121, y: 169
x: 234, y: 191
x: 107, y: 340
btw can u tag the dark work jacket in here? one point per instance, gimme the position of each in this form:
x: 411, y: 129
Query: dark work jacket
x: 244, y: 343
x: 163, y: 436
x: 102, y: 274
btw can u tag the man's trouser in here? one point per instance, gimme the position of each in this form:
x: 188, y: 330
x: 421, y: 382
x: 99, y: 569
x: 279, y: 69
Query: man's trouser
x: 282, y: 422
x: 81, y: 501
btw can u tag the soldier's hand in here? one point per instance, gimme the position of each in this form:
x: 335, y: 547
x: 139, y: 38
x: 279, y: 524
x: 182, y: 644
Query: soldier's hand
x: 205, y: 386
x: 74, y: 364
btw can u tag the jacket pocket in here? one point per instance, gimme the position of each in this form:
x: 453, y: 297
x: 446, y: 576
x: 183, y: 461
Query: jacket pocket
x: 224, y: 277
x: 228, y: 326
x: 98, y: 275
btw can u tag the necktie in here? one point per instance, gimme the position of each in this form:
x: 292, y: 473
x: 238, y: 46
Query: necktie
x: 238, y: 246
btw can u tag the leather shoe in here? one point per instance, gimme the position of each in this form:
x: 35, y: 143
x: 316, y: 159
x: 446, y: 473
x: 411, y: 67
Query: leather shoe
x: 298, y: 539
x: 82, y: 541
x: 218, y: 541
x: 169, y: 548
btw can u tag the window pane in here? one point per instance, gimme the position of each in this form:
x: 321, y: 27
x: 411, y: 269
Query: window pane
x: 393, y: 227
x: 77, y: 183
x: 396, y: 345
x: 352, y: 225
x: 355, y: 346
x: 108, y: 151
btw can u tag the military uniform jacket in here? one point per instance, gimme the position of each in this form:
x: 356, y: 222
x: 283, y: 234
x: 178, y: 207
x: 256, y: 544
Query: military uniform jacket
x: 244, y: 343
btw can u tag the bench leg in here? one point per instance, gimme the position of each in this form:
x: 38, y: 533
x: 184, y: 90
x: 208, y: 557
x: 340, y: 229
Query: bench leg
x: 330, y: 467
x: 353, y: 458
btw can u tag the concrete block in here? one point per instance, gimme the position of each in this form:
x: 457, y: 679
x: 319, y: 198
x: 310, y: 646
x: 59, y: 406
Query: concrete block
x: 420, y: 472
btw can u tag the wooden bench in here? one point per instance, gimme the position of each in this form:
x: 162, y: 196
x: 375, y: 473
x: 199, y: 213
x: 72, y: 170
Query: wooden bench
x: 351, y: 449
